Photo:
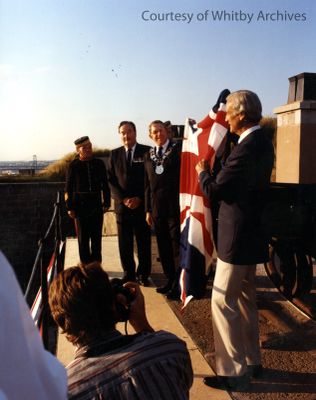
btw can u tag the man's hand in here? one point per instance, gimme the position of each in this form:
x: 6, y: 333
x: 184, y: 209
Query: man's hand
x: 135, y: 202
x: 132, y: 202
x: 149, y: 219
x: 202, y: 165
x: 137, y: 316
x: 71, y: 214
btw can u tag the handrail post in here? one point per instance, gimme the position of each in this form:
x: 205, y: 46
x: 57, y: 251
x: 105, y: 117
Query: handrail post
x: 42, y: 269
x: 44, y: 304
x: 58, y: 235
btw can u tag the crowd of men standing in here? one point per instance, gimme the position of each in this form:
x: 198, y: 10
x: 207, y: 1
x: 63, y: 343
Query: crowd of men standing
x: 144, y: 183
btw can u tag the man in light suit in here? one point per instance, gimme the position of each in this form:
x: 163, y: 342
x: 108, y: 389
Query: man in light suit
x: 126, y: 179
x: 162, y: 177
x: 241, y: 187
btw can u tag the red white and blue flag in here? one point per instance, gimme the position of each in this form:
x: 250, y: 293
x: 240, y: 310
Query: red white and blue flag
x: 201, y: 141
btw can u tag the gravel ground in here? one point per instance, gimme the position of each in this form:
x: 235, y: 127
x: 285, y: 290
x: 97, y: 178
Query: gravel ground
x: 288, y: 341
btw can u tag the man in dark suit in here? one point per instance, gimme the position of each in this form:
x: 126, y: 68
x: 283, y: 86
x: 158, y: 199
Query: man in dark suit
x: 126, y: 179
x: 162, y: 176
x: 241, y: 187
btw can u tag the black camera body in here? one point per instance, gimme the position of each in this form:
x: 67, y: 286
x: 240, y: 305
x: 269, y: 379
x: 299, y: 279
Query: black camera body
x: 118, y: 288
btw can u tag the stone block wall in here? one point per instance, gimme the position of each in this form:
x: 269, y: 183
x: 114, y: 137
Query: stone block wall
x: 25, y: 213
x: 26, y: 210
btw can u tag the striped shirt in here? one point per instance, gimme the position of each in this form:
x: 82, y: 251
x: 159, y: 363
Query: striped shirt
x: 144, y: 366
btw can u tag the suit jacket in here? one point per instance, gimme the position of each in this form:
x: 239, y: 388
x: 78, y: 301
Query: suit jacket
x: 162, y: 191
x: 126, y: 181
x: 241, y: 187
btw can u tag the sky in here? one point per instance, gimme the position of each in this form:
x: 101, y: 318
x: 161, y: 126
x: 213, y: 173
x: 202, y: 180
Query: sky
x: 70, y: 68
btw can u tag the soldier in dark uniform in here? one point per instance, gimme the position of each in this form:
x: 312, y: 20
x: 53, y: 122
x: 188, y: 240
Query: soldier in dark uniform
x: 87, y: 197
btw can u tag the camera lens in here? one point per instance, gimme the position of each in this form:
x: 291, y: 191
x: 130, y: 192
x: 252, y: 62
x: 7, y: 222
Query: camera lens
x: 122, y: 310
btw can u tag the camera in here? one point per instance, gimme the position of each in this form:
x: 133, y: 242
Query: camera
x: 122, y: 310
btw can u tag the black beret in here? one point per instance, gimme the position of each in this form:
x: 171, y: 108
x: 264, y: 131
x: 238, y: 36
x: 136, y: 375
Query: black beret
x: 81, y: 140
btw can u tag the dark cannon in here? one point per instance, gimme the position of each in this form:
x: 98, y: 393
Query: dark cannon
x: 290, y: 215
x: 290, y: 219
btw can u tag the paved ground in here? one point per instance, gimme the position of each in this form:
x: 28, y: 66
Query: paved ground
x: 288, y: 338
x: 159, y: 314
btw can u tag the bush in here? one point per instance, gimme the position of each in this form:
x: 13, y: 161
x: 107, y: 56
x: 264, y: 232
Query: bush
x: 269, y: 124
x: 57, y: 171
x: 54, y: 172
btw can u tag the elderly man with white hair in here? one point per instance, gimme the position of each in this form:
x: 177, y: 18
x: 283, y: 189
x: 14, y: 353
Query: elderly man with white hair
x: 240, y: 187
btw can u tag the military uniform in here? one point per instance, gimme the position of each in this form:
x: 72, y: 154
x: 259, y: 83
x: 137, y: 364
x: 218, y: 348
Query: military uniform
x: 87, y: 195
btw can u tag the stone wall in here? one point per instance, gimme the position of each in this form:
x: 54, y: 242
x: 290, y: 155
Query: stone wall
x: 25, y: 211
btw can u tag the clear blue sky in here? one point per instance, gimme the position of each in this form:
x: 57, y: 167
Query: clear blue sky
x: 78, y: 67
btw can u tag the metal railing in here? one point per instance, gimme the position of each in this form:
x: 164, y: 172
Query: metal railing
x: 39, y: 302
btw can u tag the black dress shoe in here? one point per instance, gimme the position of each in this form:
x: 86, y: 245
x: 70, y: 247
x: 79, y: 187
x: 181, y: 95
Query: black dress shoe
x: 255, y: 371
x: 128, y: 278
x: 143, y: 281
x: 173, y: 294
x: 238, y: 383
x: 165, y: 289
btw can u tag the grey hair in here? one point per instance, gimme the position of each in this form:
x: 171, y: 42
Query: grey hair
x: 247, y: 103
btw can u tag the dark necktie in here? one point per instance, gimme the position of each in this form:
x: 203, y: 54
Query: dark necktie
x: 160, y: 152
x: 129, y: 157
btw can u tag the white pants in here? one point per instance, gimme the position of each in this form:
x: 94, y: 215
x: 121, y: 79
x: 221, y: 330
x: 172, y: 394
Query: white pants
x: 235, y: 318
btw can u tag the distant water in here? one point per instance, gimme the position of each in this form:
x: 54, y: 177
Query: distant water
x: 13, y: 167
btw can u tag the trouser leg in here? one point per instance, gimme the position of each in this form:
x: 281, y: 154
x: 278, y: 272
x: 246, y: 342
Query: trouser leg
x: 126, y: 245
x: 166, y: 246
x: 229, y: 320
x: 96, y: 224
x: 250, y: 318
x: 83, y: 240
x: 174, y: 229
x: 143, y: 240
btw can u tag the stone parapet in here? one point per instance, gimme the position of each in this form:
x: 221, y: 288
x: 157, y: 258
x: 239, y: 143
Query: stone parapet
x: 296, y: 142
x: 25, y: 211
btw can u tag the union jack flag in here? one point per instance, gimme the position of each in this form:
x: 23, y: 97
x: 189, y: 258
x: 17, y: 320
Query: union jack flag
x: 201, y: 141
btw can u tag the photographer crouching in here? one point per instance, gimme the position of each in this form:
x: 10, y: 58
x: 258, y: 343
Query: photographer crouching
x: 108, y: 364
